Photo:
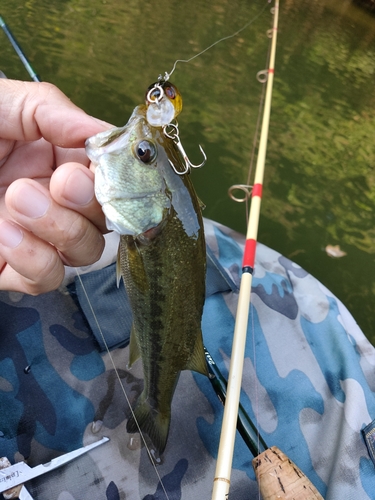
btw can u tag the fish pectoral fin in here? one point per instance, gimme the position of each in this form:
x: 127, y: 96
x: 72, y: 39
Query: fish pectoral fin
x: 198, y: 362
x: 134, y: 353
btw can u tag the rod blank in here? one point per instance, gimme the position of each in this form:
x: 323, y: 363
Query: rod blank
x: 19, y: 51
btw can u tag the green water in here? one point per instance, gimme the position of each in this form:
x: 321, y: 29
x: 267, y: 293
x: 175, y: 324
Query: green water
x: 320, y: 178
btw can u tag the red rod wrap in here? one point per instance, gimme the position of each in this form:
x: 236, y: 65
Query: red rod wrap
x: 250, y: 244
x: 257, y: 190
x: 249, y: 253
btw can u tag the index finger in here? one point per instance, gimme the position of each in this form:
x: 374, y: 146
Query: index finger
x: 31, y: 110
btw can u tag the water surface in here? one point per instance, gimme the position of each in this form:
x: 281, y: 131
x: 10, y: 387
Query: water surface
x: 319, y: 180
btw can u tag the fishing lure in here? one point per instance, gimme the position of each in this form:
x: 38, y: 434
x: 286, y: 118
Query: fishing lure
x: 164, y: 104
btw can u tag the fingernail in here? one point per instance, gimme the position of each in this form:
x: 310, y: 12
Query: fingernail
x: 10, y: 235
x: 79, y: 188
x: 31, y: 202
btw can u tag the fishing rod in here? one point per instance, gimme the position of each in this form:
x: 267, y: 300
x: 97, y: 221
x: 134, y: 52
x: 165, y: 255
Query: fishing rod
x: 273, y: 459
x: 277, y: 475
x: 245, y: 426
x: 19, y: 51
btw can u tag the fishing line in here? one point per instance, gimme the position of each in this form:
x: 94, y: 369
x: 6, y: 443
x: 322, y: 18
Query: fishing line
x: 36, y: 78
x: 121, y: 384
x: 246, y: 188
x: 167, y: 75
x: 256, y: 410
x: 262, y: 77
x: 255, y: 141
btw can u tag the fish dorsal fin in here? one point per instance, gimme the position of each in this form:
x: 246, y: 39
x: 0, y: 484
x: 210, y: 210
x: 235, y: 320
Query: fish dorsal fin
x: 134, y: 353
x: 197, y: 361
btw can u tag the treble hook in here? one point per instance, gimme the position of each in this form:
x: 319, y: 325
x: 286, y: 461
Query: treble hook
x: 176, y: 139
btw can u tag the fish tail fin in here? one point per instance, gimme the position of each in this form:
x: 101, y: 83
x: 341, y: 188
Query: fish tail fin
x: 150, y: 421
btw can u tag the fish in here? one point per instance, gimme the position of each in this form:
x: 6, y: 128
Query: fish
x: 161, y: 259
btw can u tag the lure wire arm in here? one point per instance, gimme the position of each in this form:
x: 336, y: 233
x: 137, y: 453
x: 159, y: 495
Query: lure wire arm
x: 165, y: 77
x: 152, y: 98
x: 173, y: 133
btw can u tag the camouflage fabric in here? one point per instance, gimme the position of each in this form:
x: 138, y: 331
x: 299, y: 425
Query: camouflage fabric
x: 309, y: 382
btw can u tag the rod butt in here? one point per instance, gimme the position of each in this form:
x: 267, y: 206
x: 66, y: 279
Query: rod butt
x: 279, y: 478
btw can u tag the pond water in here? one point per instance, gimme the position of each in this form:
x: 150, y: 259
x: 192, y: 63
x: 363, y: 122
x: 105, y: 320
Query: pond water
x: 320, y: 177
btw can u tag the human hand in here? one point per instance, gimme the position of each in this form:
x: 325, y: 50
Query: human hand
x: 48, y: 212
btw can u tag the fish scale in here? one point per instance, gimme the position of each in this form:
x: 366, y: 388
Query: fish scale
x: 166, y: 315
x: 162, y: 261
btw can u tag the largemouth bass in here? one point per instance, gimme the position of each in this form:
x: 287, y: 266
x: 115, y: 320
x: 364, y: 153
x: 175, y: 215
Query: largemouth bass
x: 161, y: 259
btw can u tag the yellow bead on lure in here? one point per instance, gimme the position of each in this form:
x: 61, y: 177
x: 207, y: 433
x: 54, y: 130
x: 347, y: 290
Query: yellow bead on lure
x: 161, y: 259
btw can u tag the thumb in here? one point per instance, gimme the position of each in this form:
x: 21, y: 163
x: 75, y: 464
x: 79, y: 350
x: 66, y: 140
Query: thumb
x: 31, y: 110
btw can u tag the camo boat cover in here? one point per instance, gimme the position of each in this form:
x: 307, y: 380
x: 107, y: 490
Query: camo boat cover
x: 309, y: 382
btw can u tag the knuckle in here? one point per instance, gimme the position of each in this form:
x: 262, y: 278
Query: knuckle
x: 48, y: 89
x: 82, y: 243
x: 48, y: 273
x: 73, y: 234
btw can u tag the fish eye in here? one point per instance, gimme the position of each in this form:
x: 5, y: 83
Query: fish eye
x: 146, y: 151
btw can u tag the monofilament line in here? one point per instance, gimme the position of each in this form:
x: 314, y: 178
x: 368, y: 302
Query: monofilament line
x: 121, y: 384
x: 167, y: 75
